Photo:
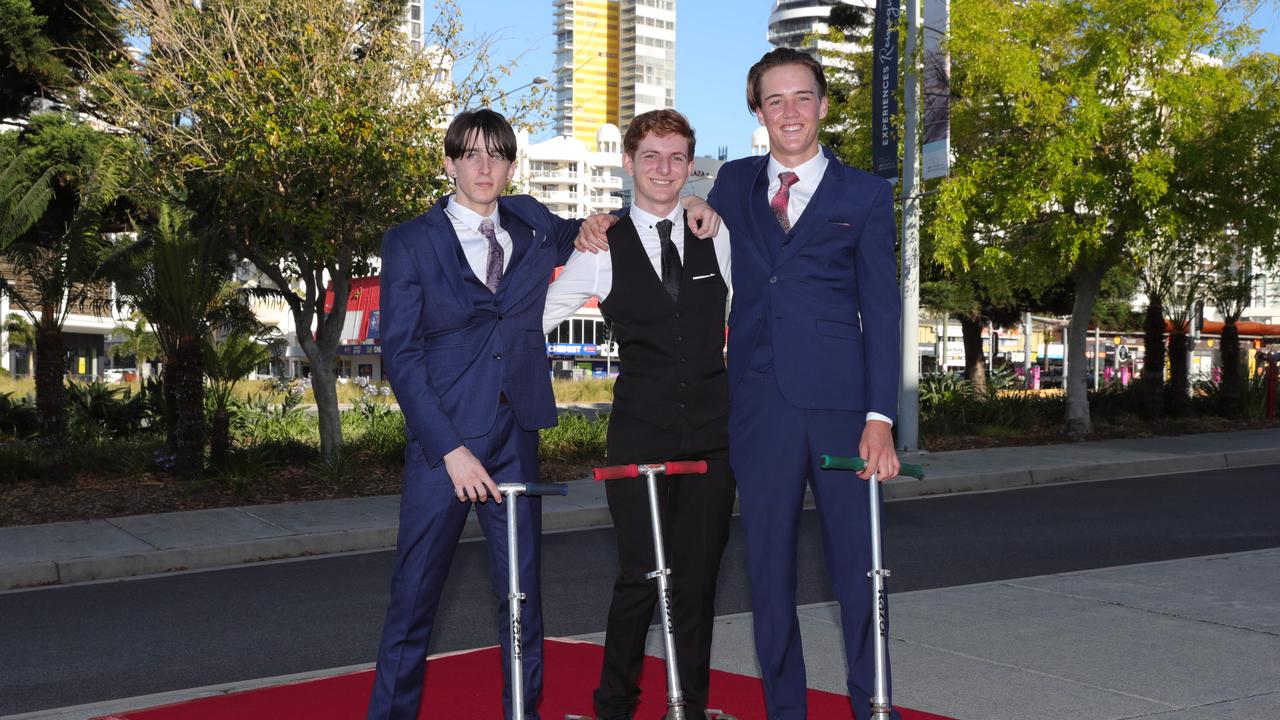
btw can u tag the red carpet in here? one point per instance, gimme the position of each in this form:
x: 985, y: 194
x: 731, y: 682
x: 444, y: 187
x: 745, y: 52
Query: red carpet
x: 454, y: 693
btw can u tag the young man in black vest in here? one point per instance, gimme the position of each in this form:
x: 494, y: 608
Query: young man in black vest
x: 666, y: 299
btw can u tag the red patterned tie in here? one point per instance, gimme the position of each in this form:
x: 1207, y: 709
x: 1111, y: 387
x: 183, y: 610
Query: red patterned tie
x: 780, y: 199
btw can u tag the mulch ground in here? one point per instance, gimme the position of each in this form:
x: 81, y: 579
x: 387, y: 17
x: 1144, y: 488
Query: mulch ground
x: 90, y: 495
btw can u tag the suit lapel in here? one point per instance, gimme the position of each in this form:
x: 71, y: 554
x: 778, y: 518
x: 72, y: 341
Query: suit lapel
x: 524, y: 238
x: 765, y: 228
x: 444, y: 243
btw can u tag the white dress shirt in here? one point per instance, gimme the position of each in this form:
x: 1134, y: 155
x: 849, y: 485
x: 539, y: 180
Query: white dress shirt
x: 589, y: 275
x: 810, y: 173
x: 466, y: 223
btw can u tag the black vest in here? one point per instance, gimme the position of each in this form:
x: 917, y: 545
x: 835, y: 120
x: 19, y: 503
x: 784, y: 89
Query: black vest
x: 672, y: 352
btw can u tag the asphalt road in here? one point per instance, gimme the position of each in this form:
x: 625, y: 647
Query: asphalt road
x: 66, y: 646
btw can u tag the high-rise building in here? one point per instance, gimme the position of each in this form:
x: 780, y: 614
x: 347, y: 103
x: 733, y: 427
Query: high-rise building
x: 411, y: 24
x: 792, y: 22
x: 615, y: 59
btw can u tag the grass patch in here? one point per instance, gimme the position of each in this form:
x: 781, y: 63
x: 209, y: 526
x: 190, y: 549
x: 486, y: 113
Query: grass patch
x: 583, y: 391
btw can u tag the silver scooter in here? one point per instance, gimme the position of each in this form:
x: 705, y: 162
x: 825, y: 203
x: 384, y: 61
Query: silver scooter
x: 881, y: 706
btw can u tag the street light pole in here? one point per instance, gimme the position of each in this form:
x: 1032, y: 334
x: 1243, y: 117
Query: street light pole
x: 909, y: 394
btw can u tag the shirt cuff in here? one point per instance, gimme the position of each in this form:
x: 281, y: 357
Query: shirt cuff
x: 878, y: 416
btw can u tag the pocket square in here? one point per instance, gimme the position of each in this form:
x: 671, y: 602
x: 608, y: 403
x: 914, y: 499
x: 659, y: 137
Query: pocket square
x: 703, y: 277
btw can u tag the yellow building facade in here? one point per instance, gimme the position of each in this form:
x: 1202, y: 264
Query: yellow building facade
x: 587, y: 66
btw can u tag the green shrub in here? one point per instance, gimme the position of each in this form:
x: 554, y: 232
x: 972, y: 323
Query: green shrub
x: 576, y: 438
x: 18, y: 419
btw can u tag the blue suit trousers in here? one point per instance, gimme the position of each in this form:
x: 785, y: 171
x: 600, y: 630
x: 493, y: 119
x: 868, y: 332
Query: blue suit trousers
x: 774, y: 449
x: 431, y: 522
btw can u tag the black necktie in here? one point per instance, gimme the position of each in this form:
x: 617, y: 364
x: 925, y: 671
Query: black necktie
x: 671, y: 270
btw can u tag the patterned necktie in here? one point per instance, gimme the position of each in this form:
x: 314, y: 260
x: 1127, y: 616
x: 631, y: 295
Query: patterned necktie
x: 782, y: 197
x: 493, y: 270
x: 671, y: 269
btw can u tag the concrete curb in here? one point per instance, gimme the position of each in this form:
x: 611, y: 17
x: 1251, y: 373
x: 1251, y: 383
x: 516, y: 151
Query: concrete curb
x: 580, y: 514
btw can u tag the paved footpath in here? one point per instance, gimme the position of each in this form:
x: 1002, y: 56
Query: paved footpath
x: 71, y: 552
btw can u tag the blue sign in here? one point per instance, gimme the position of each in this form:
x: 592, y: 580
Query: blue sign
x: 572, y: 349
x: 373, y: 325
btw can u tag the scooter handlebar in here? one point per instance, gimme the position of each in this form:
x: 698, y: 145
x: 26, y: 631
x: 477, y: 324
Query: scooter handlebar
x: 672, y: 467
x: 540, y: 488
x: 534, y: 488
x: 857, y: 464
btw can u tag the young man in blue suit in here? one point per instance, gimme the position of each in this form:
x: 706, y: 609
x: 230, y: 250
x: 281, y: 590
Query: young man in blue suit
x: 463, y: 288
x: 462, y: 294
x: 814, y: 365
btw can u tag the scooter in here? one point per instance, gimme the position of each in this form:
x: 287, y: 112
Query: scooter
x: 881, y: 706
x: 514, y: 596
x: 675, y: 696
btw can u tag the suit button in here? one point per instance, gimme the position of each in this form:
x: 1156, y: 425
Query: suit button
x: 677, y: 315
x: 679, y: 338
x: 684, y: 384
x: 773, y: 280
x: 497, y: 356
x: 500, y: 317
x: 759, y: 316
x: 684, y: 360
x: 684, y: 405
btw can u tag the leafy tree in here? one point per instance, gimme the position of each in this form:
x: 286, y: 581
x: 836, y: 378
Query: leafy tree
x: 45, y: 45
x: 54, y: 263
x: 1080, y: 106
x: 307, y: 128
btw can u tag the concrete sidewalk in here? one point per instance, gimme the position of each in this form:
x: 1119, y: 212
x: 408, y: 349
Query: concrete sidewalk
x: 71, y: 552
x: 1173, y: 640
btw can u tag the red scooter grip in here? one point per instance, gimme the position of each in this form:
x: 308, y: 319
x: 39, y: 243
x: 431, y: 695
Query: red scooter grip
x: 686, y: 467
x: 616, y: 472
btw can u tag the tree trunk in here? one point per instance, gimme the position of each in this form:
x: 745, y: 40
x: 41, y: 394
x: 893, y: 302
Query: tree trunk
x: 1177, y: 402
x: 324, y: 385
x: 1151, y: 382
x: 219, y: 437
x: 51, y: 392
x: 975, y: 361
x: 1230, y: 388
x: 189, y: 393
x: 1078, y: 424
x: 169, y: 383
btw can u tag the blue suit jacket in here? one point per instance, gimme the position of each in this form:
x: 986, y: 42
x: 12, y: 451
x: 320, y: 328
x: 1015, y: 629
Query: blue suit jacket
x: 449, y: 346
x: 824, y: 296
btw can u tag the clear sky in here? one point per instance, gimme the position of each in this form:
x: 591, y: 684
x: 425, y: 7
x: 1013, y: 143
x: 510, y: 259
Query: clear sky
x: 716, y: 41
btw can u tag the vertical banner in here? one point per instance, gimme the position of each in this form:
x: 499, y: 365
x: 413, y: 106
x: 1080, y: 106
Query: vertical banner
x: 884, y: 89
x: 936, y: 126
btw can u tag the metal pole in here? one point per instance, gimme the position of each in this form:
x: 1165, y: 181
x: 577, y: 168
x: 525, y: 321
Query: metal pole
x: 1097, y: 356
x: 881, y: 706
x: 909, y: 395
x: 992, y: 342
x: 514, y: 600
x: 675, y: 696
x: 943, y: 365
x: 1026, y: 348
x: 1066, y: 350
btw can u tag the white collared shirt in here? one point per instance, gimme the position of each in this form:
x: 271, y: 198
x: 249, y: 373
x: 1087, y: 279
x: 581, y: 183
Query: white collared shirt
x: 810, y: 173
x: 589, y: 275
x: 466, y: 224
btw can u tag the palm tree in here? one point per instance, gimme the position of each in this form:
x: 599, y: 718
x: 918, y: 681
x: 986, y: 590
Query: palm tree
x: 182, y: 285
x: 227, y: 363
x: 52, y: 265
x: 139, y: 343
x: 21, y: 334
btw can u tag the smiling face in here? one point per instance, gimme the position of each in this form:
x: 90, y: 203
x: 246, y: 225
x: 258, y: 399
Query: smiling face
x: 660, y: 166
x: 481, y: 173
x: 791, y: 108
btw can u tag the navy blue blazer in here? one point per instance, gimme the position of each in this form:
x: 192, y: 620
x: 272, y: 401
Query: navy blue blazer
x: 449, y: 347
x: 822, y: 298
